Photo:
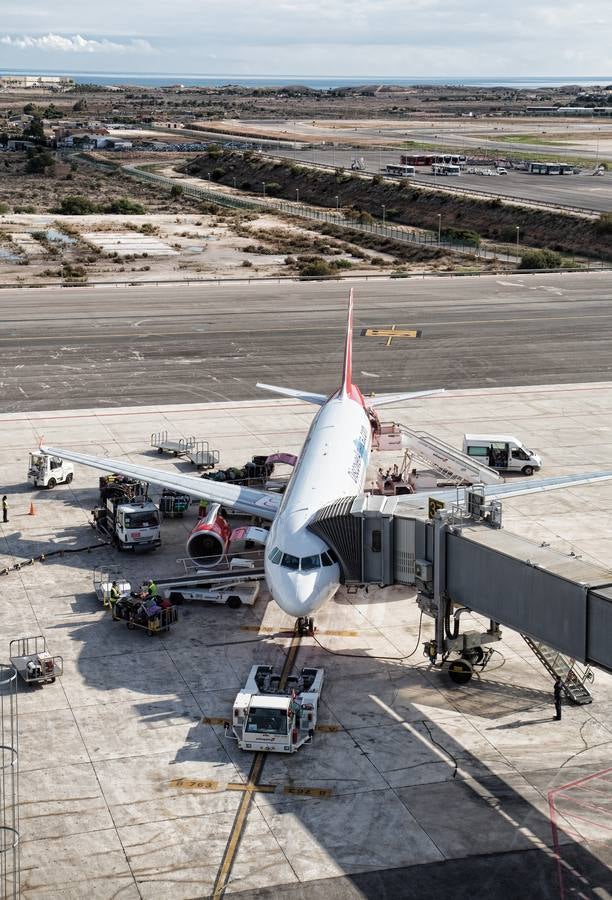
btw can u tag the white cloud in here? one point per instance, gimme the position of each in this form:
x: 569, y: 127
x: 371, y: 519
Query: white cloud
x: 75, y: 44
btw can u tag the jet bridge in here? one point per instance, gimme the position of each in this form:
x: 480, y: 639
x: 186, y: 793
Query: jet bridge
x: 461, y: 559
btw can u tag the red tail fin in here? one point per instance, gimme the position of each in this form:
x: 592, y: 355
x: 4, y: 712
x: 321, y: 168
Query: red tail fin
x: 346, y: 387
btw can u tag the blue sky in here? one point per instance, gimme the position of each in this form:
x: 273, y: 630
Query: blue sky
x: 334, y: 37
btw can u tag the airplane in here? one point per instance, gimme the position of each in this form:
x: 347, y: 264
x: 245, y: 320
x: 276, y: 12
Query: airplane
x: 301, y: 570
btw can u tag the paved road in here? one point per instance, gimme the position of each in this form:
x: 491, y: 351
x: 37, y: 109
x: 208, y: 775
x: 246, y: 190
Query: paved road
x: 585, y: 190
x: 89, y: 347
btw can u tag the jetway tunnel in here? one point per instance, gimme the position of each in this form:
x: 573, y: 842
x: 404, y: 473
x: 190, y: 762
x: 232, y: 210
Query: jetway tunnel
x: 463, y: 558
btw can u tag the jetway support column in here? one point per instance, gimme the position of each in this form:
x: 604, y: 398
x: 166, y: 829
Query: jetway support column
x: 441, y: 601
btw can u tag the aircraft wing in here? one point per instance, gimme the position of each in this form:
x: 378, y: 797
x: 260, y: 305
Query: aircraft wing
x: 507, y: 489
x: 244, y: 499
x: 385, y: 399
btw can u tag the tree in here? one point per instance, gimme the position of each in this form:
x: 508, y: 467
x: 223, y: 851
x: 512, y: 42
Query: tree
x: 77, y: 205
x: 540, y: 259
x: 34, y: 131
x: 176, y: 190
x: 39, y: 162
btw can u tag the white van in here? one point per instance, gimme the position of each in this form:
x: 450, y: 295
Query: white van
x: 502, y: 452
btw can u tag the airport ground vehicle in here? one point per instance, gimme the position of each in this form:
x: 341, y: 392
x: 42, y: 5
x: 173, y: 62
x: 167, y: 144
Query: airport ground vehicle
x: 400, y: 171
x: 502, y: 452
x: 46, y: 471
x: 445, y: 169
x: 144, y: 613
x: 126, y: 515
x: 273, y: 717
x: 31, y: 659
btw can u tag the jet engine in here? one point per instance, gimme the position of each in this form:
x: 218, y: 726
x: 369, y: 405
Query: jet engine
x: 209, y: 539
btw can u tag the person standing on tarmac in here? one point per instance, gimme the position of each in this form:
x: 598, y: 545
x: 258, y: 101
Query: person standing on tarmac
x: 114, y: 594
x: 5, y: 508
x: 152, y: 590
x: 557, y: 692
x: 202, y: 508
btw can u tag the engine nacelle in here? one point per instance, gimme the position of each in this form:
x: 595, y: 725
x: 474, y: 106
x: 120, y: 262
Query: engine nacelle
x: 209, y: 540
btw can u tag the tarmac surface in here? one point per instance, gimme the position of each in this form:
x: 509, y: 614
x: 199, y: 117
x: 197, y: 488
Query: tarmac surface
x: 584, y: 190
x: 179, y: 343
x: 435, y: 790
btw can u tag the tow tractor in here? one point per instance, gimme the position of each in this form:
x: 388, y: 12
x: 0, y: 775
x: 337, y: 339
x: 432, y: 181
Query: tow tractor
x: 47, y: 471
x: 126, y: 515
x: 271, y: 718
x: 31, y: 659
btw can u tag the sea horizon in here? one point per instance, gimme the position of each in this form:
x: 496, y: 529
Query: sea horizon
x: 156, y: 79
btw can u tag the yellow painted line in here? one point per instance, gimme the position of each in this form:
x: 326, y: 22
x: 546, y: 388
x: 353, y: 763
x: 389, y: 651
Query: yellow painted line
x: 200, y: 783
x: 213, y: 720
x: 297, y: 791
x: 259, y: 630
x: 333, y: 633
x: 252, y: 788
x: 330, y: 729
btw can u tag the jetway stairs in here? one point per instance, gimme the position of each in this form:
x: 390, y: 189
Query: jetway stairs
x: 573, y: 677
x: 451, y: 465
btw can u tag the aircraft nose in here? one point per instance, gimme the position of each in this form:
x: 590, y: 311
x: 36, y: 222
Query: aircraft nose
x: 300, y: 593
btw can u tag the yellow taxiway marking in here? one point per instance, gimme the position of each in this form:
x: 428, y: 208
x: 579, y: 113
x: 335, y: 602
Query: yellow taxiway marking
x: 322, y: 631
x: 391, y: 333
x: 252, y: 788
x: 297, y: 791
x: 201, y: 783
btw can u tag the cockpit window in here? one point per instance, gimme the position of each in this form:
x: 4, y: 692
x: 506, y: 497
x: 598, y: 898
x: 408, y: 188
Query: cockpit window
x: 290, y: 562
x: 328, y: 558
x: 310, y: 562
x: 275, y: 555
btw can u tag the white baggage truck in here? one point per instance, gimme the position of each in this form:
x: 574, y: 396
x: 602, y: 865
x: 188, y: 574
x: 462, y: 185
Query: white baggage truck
x: 47, y: 471
x: 502, y: 452
x: 271, y: 718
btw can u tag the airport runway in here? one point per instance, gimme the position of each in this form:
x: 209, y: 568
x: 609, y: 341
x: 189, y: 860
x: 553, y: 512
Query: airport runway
x: 75, y: 348
x: 584, y: 190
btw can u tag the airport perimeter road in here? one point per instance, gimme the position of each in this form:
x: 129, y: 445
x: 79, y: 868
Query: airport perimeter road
x: 74, y: 348
x: 584, y: 190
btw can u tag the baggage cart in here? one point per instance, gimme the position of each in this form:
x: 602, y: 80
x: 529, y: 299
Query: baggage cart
x: 33, y: 662
x: 180, y: 447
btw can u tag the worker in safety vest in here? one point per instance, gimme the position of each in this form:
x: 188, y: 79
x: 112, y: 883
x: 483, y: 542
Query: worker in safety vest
x: 114, y: 594
x: 4, y: 508
x: 202, y: 508
x: 152, y: 590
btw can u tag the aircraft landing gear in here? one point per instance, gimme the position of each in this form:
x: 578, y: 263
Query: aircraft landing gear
x: 305, y: 626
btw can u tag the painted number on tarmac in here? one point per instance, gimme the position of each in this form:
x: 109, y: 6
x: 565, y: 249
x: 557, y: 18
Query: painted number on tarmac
x: 296, y: 791
x: 201, y: 783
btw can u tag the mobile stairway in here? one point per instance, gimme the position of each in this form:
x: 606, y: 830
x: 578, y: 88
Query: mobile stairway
x: 450, y: 464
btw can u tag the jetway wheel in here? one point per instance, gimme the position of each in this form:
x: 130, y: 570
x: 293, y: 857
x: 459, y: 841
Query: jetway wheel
x: 460, y: 671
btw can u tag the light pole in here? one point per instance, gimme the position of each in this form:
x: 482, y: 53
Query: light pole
x: 517, y: 240
x: 209, y: 176
x: 384, y: 214
x: 264, y: 188
x: 337, y: 203
x: 297, y: 195
x: 439, y: 226
x: 234, y: 180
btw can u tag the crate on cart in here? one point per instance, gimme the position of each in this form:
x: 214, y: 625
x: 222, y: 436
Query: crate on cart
x: 32, y: 661
x: 172, y: 504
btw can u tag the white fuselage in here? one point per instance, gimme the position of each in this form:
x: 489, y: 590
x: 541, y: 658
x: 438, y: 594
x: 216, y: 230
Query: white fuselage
x: 333, y: 464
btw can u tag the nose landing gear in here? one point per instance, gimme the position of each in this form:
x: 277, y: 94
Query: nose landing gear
x: 305, y: 626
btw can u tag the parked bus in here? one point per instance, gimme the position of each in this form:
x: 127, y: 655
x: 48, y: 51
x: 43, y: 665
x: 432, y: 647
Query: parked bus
x: 445, y: 169
x: 400, y: 171
x: 450, y: 159
x: 417, y: 159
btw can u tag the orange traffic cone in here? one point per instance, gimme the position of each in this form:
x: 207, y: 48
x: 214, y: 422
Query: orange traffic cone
x: 32, y: 510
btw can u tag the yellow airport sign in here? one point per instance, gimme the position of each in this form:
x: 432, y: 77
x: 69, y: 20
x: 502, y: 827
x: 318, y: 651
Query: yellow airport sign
x: 434, y: 506
x: 391, y: 333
